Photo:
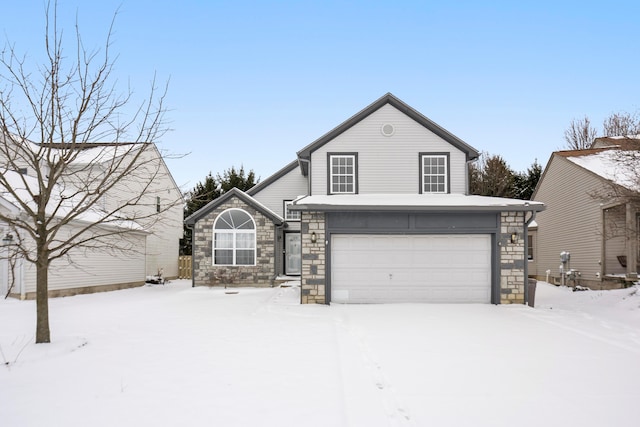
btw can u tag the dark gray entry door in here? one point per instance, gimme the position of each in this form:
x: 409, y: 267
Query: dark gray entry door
x: 292, y: 254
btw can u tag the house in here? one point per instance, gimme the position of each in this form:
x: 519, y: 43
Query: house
x: 130, y: 249
x: 592, y: 214
x: 375, y: 210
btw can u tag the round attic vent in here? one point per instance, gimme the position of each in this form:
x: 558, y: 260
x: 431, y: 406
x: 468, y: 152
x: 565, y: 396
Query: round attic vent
x: 387, y: 129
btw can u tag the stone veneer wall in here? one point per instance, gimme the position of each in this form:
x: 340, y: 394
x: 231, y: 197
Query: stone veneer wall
x: 207, y: 274
x: 512, y: 280
x: 313, y: 258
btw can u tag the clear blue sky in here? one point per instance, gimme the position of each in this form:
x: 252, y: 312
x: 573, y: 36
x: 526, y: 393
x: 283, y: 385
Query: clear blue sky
x: 251, y: 83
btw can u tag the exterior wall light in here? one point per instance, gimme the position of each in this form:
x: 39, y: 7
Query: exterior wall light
x: 8, y: 239
x: 314, y: 238
x: 514, y: 237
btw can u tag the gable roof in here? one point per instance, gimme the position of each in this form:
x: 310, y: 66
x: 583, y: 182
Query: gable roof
x: 628, y: 142
x: 234, y: 192
x: 605, y: 163
x: 276, y: 176
x: 614, y: 165
x: 304, y: 155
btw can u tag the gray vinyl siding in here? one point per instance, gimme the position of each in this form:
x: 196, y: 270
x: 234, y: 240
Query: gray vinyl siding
x: 288, y: 187
x: 388, y: 164
x: 571, y: 222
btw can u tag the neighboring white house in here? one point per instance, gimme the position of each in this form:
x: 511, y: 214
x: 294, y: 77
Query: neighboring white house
x: 376, y: 210
x: 136, y: 248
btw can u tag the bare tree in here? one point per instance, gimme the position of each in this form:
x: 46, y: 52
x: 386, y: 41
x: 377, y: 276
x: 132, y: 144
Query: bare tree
x: 69, y: 140
x: 621, y: 124
x: 580, y: 134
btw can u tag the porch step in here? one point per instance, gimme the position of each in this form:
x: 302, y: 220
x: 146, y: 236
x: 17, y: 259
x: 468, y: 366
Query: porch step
x: 278, y: 281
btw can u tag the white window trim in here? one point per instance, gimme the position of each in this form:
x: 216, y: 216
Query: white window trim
x: 235, y: 232
x: 423, y: 156
x: 288, y: 203
x: 354, y: 184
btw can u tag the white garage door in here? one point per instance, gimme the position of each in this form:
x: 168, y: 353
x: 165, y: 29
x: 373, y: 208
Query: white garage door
x: 410, y: 268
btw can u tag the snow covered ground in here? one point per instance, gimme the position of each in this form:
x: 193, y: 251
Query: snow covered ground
x: 174, y: 355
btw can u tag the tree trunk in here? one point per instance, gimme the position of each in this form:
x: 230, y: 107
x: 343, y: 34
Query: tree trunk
x: 42, y: 297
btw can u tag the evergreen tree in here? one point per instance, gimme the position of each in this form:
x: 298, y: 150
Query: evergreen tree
x: 491, y: 176
x: 525, y: 183
x: 210, y: 189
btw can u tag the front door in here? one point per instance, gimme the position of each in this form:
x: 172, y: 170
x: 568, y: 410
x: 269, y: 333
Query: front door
x: 292, y: 254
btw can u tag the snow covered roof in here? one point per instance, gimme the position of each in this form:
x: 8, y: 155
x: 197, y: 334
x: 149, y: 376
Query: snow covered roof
x: 422, y: 202
x: 617, y: 166
x: 25, y: 186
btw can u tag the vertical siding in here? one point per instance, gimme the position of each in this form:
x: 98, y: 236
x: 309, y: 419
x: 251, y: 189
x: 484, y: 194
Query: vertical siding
x: 287, y: 187
x: 572, y: 220
x: 388, y: 164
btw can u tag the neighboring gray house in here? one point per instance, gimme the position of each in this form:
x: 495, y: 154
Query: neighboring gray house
x: 590, y: 214
x: 376, y: 210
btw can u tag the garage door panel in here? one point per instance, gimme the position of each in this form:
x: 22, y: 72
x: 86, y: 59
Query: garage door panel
x: 411, y: 268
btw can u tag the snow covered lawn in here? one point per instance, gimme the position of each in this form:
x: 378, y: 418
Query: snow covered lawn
x: 174, y: 355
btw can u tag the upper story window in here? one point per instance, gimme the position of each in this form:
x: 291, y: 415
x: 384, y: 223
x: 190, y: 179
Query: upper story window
x: 343, y: 170
x: 234, y: 238
x: 434, y: 170
x: 291, y: 215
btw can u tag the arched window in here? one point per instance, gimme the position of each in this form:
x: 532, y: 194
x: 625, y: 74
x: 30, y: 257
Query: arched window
x: 234, y: 238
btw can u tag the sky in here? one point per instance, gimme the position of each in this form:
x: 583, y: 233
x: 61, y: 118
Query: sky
x: 252, y: 82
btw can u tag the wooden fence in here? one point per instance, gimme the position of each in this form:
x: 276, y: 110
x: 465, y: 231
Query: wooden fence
x: 184, y: 267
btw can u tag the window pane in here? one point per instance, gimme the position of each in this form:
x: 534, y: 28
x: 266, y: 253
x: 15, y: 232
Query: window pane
x: 245, y: 257
x: 223, y: 257
x: 245, y: 240
x: 223, y: 240
x: 224, y: 222
x: 291, y: 215
x: 434, y: 174
x: 343, y: 177
x: 241, y: 220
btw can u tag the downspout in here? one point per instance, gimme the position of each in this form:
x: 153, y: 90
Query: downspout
x: 466, y: 177
x: 526, y: 257
x: 308, y: 162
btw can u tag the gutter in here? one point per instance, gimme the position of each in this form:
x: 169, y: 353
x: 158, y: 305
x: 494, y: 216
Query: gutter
x: 413, y: 208
x: 307, y: 170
